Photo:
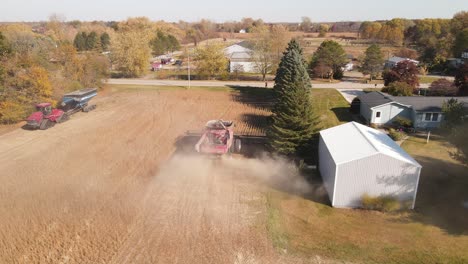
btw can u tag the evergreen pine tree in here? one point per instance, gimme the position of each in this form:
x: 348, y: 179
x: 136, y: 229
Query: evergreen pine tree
x: 373, y: 61
x: 293, y: 122
x: 92, y: 41
x: 105, y: 41
x: 80, y: 41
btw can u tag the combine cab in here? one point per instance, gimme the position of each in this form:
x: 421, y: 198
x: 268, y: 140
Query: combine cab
x: 46, y: 116
x: 218, y: 138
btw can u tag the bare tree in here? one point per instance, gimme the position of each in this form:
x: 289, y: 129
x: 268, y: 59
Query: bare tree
x: 322, y: 70
x: 268, y: 46
x: 261, y: 54
x: 306, y: 24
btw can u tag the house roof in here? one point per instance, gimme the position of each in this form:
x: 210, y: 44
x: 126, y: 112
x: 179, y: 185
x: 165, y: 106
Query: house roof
x: 418, y: 103
x: 246, y: 44
x: 353, y: 141
x: 397, y: 59
x: 427, y: 103
x: 374, y: 99
x: 240, y: 56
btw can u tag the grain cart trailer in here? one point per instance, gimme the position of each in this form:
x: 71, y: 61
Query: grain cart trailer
x: 78, y: 101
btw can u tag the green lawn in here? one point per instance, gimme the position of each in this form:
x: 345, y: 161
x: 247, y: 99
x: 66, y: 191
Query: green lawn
x: 330, y: 107
x: 427, y: 79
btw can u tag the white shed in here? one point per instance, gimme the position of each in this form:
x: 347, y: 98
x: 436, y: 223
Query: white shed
x: 355, y: 160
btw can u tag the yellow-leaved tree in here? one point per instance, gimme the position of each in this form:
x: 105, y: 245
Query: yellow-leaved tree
x: 21, y: 92
x: 210, y: 60
x: 130, y: 46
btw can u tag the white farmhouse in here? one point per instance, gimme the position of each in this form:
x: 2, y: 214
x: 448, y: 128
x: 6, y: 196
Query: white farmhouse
x: 240, y: 57
x: 355, y: 160
x: 393, y: 61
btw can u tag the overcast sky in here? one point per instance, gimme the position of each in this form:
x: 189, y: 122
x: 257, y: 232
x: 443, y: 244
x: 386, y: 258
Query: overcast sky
x: 219, y: 10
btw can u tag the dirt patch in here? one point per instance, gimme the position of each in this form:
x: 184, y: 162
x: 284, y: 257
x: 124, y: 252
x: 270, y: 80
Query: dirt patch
x: 103, y: 188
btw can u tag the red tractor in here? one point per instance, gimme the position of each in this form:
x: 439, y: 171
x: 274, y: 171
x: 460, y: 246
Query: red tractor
x: 45, y: 117
x: 218, y: 138
x: 73, y: 102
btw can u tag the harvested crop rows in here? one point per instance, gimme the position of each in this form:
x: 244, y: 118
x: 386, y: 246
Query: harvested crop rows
x: 102, y: 187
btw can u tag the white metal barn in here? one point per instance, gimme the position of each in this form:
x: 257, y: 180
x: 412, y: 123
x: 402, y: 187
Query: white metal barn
x: 355, y: 160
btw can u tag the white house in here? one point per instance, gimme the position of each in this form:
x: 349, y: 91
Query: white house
x: 382, y: 109
x: 465, y: 54
x: 390, y: 63
x: 355, y: 160
x: 240, y: 57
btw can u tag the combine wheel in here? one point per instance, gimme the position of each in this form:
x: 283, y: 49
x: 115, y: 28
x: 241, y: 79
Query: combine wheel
x: 236, y: 147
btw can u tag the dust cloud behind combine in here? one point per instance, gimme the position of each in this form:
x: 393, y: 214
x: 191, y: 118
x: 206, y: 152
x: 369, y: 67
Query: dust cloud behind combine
x: 104, y: 187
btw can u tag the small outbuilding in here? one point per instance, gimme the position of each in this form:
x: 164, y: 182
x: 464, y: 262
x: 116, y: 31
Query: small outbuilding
x: 355, y: 160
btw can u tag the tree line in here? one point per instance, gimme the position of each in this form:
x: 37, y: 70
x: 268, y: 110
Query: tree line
x: 41, y: 66
x: 436, y: 40
x: 86, y: 42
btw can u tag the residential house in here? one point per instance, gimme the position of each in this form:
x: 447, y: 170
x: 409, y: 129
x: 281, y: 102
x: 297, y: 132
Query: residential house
x: 454, y: 62
x: 393, y: 61
x: 465, y: 55
x: 382, y: 109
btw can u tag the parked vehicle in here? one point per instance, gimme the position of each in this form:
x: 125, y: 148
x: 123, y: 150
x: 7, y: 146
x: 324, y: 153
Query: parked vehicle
x: 155, y: 66
x: 167, y: 61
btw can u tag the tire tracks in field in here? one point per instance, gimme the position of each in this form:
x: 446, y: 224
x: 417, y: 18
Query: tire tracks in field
x: 131, y: 247
x: 92, y: 215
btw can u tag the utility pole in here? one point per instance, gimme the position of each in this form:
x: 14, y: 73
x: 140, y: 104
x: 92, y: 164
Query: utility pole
x: 188, y: 66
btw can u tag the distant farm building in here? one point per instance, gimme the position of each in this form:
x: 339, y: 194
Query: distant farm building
x: 355, y: 160
x: 240, y: 57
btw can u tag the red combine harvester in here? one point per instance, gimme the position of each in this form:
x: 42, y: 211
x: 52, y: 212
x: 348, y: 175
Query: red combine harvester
x: 47, y: 117
x: 218, y: 139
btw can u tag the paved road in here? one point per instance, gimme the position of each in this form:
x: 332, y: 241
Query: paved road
x: 340, y: 85
x: 350, y: 94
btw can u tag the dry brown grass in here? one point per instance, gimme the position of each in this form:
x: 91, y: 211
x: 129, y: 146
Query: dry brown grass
x: 435, y: 232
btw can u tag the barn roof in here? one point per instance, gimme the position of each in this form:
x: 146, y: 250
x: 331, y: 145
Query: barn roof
x: 353, y: 141
x: 240, y: 56
x: 246, y: 44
